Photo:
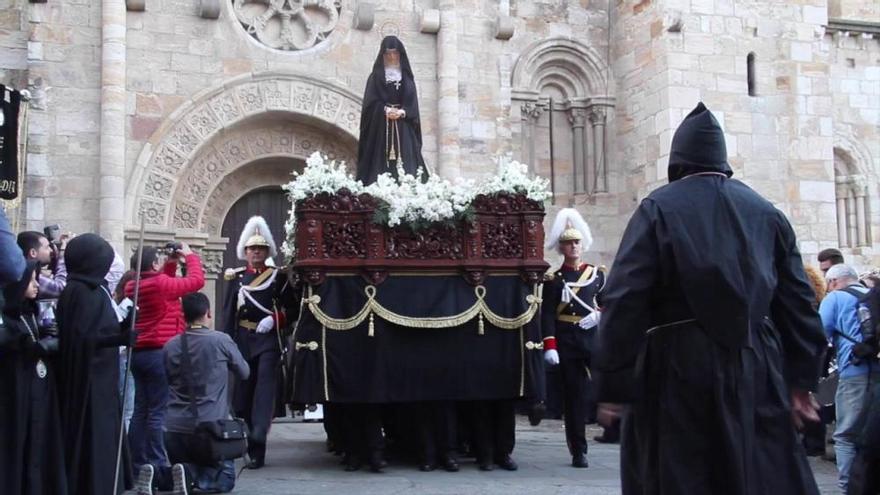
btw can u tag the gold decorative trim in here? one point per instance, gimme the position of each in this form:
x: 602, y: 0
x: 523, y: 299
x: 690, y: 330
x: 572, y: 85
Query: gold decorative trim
x: 522, y: 364
x: 324, y: 356
x: 534, y: 345
x: 479, y: 310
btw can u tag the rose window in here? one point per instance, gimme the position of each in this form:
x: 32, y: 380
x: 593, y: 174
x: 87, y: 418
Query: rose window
x: 288, y: 24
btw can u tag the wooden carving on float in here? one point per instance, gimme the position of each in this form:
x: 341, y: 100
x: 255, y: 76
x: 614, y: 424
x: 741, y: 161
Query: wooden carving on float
x: 336, y: 233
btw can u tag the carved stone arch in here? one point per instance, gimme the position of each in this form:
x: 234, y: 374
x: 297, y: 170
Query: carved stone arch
x: 855, y: 154
x: 565, y: 62
x: 247, y: 145
x: 212, y: 135
x: 268, y: 171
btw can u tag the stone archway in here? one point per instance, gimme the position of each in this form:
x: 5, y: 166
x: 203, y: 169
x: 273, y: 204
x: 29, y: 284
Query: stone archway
x: 247, y: 133
x: 207, y: 132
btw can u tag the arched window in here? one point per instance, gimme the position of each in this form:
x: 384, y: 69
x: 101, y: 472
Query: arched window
x: 853, y: 224
x: 561, y: 88
x: 750, y: 74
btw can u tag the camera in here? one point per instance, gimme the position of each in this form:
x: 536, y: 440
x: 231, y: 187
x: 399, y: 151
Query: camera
x: 172, y: 247
x: 53, y: 234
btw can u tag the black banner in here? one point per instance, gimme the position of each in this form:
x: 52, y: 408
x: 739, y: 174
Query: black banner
x: 10, y: 103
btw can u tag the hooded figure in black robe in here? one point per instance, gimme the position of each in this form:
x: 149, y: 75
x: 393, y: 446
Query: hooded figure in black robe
x: 708, y: 331
x: 31, y: 453
x: 89, y: 374
x: 385, y: 142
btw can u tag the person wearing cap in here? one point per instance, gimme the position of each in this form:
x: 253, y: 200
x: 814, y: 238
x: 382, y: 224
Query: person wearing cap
x: 708, y: 334
x: 569, y: 317
x: 253, y: 315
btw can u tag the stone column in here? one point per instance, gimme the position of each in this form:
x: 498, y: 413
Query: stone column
x: 861, y: 220
x: 530, y: 112
x: 447, y: 101
x: 583, y: 172
x: 841, y: 215
x: 852, y: 235
x: 112, y: 166
x: 599, y: 175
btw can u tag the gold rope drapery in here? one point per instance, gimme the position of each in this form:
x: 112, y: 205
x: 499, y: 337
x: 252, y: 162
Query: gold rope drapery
x: 372, y: 307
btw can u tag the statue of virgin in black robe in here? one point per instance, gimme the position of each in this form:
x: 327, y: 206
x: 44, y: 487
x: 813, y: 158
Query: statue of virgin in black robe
x: 31, y: 451
x: 385, y: 141
x: 708, y: 331
x: 90, y: 334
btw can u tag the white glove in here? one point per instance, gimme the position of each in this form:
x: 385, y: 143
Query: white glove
x: 590, y: 321
x: 266, y: 325
x: 551, y: 357
x: 123, y: 309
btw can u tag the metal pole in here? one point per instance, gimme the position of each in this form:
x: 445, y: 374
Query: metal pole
x: 134, y: 309
x: 552, y: 162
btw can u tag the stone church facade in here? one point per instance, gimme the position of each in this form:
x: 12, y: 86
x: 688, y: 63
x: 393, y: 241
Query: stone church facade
x: 176, y: 109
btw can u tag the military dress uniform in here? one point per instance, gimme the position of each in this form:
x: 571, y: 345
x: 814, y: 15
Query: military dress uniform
x: 569, y: 322
x: 561, y: 325
x: 251, y: 296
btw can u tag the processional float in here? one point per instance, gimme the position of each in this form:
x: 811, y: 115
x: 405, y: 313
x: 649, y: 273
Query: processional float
x: 398, y: 308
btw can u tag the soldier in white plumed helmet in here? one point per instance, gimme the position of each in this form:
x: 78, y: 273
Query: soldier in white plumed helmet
x: 570, y: 317
x: 252, y: 311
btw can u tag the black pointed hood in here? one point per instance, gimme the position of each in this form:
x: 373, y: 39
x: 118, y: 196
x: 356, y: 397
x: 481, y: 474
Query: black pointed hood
x: 698, y: 146
x: 88, y: 259
x: 13, y: 293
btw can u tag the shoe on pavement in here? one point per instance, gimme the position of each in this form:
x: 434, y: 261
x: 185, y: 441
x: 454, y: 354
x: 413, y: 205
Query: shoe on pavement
x: 178, y: 478
x: 144, y: 483
x: 507, y: 464
x: 580, y: 461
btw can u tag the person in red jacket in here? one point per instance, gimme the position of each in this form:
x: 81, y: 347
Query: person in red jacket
x: 159, y: 319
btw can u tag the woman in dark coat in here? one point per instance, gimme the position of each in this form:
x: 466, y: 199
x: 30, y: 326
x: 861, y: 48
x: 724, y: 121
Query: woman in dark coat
x: 89, y: 335
x: 31, y: 454
x: 391, y: 132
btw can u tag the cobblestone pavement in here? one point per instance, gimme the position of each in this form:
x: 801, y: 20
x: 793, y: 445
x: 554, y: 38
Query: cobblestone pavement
x: 298, y: 464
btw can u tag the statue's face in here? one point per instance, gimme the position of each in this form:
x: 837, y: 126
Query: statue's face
x: 391, y: 57
x: 571, y: 250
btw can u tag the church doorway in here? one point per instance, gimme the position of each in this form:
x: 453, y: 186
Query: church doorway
x: 270, y: 202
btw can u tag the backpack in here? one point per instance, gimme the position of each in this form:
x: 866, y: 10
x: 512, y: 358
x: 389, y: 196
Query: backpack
x: 869, y: 318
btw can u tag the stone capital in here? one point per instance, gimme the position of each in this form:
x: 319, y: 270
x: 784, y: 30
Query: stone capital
x: 577, y: 117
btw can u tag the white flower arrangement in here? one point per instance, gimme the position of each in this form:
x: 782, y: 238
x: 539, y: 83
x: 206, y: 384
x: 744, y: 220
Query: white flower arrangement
x: 513, y: 177
x: 411, y: 200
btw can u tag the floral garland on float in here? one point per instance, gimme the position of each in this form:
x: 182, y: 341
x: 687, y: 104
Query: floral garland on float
x: 412, y: 201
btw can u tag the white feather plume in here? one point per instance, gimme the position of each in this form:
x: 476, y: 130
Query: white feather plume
x: 256, y: 223
x: 565, y: 217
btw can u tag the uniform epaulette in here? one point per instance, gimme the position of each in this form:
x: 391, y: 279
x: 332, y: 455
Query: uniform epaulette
x: 230, y: 273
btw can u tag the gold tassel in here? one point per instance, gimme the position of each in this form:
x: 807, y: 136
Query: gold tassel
x: 372, y: 328
x: 482, y: 329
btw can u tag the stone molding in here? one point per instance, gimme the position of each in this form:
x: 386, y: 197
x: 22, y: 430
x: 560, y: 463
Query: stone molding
x: 209, y: 9
x: 213, y: 135
x: 364, y: 16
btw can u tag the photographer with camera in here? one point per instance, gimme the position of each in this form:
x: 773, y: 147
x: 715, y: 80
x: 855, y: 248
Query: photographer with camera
x: 36, y: 246
x: 159, y: 319
x: 859, y: 371
x: 48, y: 252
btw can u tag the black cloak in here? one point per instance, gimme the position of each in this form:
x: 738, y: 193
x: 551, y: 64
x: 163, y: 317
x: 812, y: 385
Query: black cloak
x: 707, y: 326
x: 373, y: 147
x: 90, y: 334
x: 31, y: 453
